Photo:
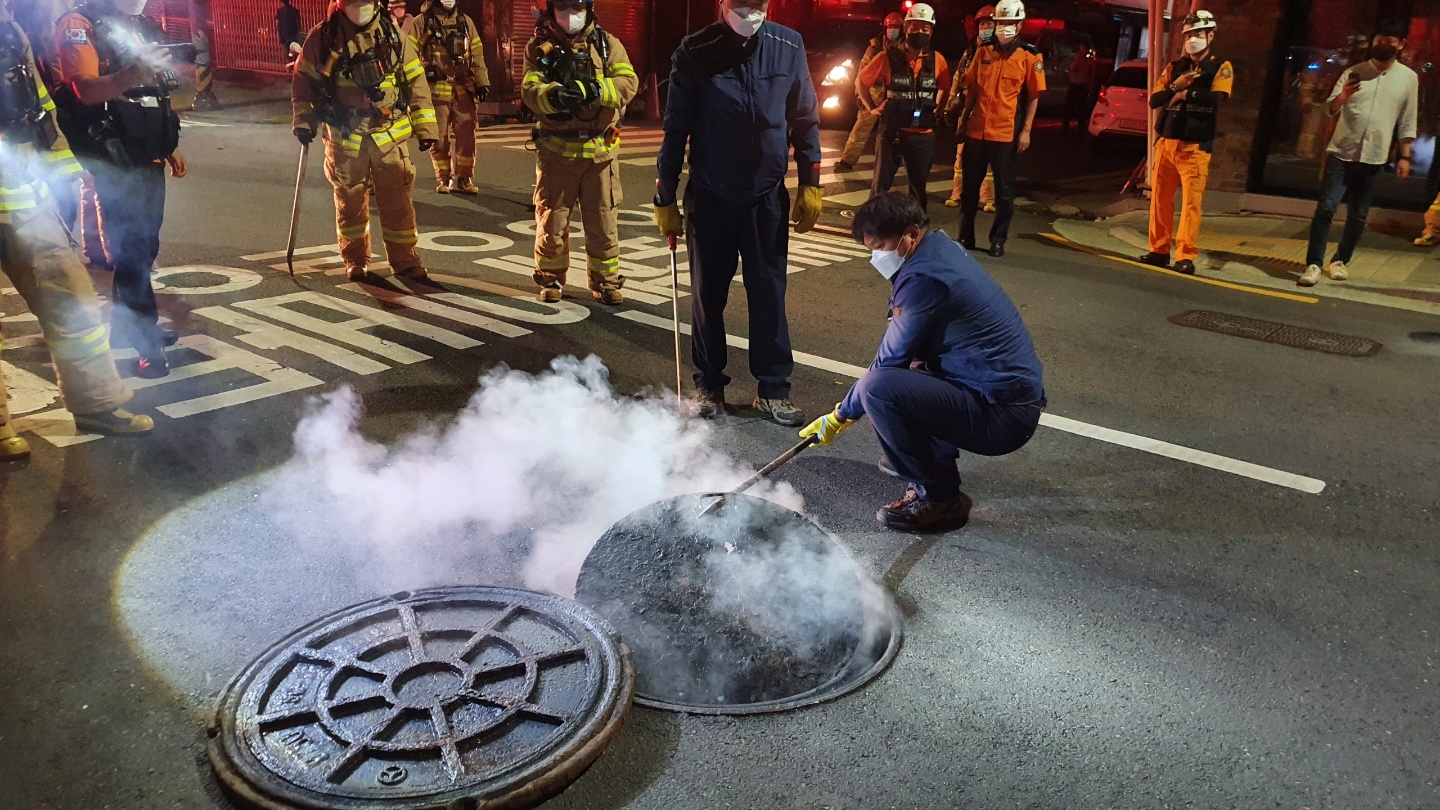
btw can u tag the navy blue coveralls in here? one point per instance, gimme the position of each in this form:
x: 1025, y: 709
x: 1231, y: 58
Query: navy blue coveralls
x: 742, y: 104
x: 955, y: 371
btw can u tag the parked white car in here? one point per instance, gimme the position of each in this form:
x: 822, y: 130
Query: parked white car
x: 1124, y: 104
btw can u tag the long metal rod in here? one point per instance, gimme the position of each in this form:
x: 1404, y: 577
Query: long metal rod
x: 295, y: 208
x: 675, y: 314
x: 764, y: 473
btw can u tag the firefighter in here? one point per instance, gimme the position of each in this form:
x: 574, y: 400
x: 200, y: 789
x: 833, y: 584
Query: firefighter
x: 399, y: 14
x: 984, y: 35
x: 38, y: 257
x: 454, y: 58
x: 914, y: 79
x: 361, y: 78
x: 116, y: 95
x: 868, y: 113
x: 742, y: 101
x: 578, y: 80
x: 996, y: 126
x: 1188, y: 96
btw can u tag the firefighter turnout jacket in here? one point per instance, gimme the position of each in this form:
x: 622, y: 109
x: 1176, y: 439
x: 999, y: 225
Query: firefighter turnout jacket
x: 553, y: 59
x: 1193, y: 119
x: 915, y: 89
x: 450, y: 50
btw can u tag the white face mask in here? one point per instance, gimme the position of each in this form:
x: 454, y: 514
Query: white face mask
x: 1007, y: 33
x: 573, y: 21
x: 1195, y: 45
x: 746, y: 24
x: 888, y: 262
x: 447, y: 4
x: 130, y: 8
x: 360, y: 13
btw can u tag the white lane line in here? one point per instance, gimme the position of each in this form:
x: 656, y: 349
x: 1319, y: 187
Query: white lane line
x: 1157, y: 447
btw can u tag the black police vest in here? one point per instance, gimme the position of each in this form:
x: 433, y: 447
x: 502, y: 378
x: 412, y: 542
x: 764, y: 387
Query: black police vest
x: 1190, y: 120
x: 911, y: 98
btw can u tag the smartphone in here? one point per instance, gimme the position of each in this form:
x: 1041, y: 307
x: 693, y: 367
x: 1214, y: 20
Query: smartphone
x: 1365, y: 71
x: 181, y: 52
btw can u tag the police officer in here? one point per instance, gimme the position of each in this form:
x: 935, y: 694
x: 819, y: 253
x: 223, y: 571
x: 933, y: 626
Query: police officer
x: 955, y: 371
x: 578, y: 80
x: 914, y: 78
x: 39, y: 259
x: 454, y: 58
x: 361, y: 78
x: 1188, y: 96
x: 117, y: 97
x: 741, y: 98
x: 1003, y: 84
x: 892, y: 36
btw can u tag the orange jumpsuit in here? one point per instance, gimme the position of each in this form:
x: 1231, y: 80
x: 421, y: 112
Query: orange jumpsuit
x: 1184, y: 166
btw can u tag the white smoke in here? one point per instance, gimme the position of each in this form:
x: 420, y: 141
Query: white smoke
x: 553, y: 459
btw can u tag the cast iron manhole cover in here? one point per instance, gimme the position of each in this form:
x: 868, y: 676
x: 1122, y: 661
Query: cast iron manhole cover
x: 1278, y: 333
x: 465, y: 697
x: 750, y: 609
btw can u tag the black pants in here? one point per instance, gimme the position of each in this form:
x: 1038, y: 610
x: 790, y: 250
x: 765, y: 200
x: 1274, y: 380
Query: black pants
x: 923, y: 423
x: 720, y: 234
x: 981, y: 156
x: 132, y: 209
x: 1077, y: 106
x: 918, y: 152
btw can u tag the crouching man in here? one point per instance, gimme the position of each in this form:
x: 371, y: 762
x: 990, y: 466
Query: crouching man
x: 955, y: 371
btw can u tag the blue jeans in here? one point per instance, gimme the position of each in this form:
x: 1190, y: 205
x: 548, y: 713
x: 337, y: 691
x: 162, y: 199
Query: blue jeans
x: 1353, y: 184
x: 923, y: 423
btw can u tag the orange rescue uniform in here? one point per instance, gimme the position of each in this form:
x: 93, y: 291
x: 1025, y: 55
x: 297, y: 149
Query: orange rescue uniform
x: 1185, y: 167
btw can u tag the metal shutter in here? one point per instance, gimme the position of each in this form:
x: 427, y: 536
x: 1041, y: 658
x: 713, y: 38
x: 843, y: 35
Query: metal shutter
x: 245, y: 36
x: 629, y: 21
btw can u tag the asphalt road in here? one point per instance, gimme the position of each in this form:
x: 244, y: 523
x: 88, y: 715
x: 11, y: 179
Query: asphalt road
x: 1117, y: 627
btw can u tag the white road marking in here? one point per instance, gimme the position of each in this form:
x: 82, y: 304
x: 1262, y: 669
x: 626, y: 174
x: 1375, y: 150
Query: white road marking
x: 263, y: 335
x: 278, y: 378
x: 191, y: 122
x: 1157, y: 447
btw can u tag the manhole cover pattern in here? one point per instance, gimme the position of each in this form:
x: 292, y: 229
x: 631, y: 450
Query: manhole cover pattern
x: 1281, y: 334
x: 452, y: 697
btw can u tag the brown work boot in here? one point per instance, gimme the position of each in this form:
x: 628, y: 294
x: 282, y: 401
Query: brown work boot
x: 442, y: 185
x: 118, y: 422
x: 709, y: 402
x: 356, y: 272
x: 416, y: 273
x: 606, y: 289
x: 462, y: 185
x: 551, y: 293
x: 12, y: 447
x: 780, y: 411
x: 911, y: 514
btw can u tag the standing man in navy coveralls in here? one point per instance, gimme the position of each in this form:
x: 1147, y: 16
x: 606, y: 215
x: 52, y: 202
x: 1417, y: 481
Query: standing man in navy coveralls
x: 955, y: 371
x: 740, y: 95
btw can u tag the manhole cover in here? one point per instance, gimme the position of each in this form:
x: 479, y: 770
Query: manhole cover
x: 465, y: 697
x: 1278, y: 333
x: 750, y: 609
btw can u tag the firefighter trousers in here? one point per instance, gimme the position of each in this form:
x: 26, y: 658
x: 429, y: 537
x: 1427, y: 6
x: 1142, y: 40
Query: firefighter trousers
x: 1183, y: 167
x: 562, y: 183
x: 393, y: 175
x: 454, y: 154
x: 859, y: 136
x: 40, y: 259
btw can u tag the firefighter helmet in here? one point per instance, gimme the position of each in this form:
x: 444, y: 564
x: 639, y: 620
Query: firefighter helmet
x: 985, y: 13
x: 893, y: 20
x: 920, y: 12
x: 1201, y: 20
x: 1009, y: 11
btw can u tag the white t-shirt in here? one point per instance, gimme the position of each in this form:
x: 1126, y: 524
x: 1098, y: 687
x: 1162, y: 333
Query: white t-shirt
x: 1381, y: 110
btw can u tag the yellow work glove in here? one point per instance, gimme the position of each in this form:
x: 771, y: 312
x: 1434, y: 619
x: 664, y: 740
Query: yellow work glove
x: 826, y: 428
x: 806, y: 210
x: 669, y: 220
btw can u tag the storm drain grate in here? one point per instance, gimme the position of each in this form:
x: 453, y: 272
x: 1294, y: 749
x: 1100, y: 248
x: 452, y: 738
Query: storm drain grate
x: 1281, y: 334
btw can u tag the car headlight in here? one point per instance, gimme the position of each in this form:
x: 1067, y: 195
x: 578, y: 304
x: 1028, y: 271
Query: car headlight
x: 831, y: 103
x: 838, y: 74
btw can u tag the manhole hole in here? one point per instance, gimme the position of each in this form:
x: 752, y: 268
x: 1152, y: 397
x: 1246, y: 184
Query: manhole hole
x: 1425, y: 337
x: 1278, y: 333
x: 467, y: 697
x: 750, y: 609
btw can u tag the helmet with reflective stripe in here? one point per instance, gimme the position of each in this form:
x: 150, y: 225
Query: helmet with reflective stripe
x: 893, y: 20
x: 985, y: 13
x: 920, y: 12
x: 1009, y: 11
x: 1201, y: 20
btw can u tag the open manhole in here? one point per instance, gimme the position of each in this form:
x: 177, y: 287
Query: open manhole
x: 1281, y: 334
x: 749, y: 609
x: 465, y: 697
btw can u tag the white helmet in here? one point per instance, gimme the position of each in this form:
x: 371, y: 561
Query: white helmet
x: 920, y: 12
x: 1009, y: 11
x: 1201, y: 20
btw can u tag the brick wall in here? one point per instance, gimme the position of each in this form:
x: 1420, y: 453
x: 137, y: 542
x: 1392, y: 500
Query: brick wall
x: 1246, y: 38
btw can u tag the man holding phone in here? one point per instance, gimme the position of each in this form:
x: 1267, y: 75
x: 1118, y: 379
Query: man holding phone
x: 1374, y: 104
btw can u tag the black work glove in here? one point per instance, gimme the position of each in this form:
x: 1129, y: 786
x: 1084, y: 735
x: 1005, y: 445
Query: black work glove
x: 481, y: 93
x: 590, y: 90
x: 952, y: 119
x: 304, y: 135
x: 426, y: 144
x: 566, y: 98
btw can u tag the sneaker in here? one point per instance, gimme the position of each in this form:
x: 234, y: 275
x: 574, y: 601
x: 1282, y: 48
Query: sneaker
x: 1337, y: 271
x: 709, y: 402
x: 952, y: 203
x: 551, y: 293
x: 463, y: 185
x: 118, y: 422
x: 843, y: 166
x: 12, y: 447
x: 1185, y: 266
x: 1310, y: 276
x: 910, y: 514
x: 1156, y: 259
x: 988, y: 208
x: 1427, y: 240
x: 152, y: 368
x: 416, y: 273
x: 356, y: 272
x: 780, y: 411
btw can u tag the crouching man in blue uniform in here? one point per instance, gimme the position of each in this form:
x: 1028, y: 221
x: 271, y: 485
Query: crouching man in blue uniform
x: 955, y: 371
